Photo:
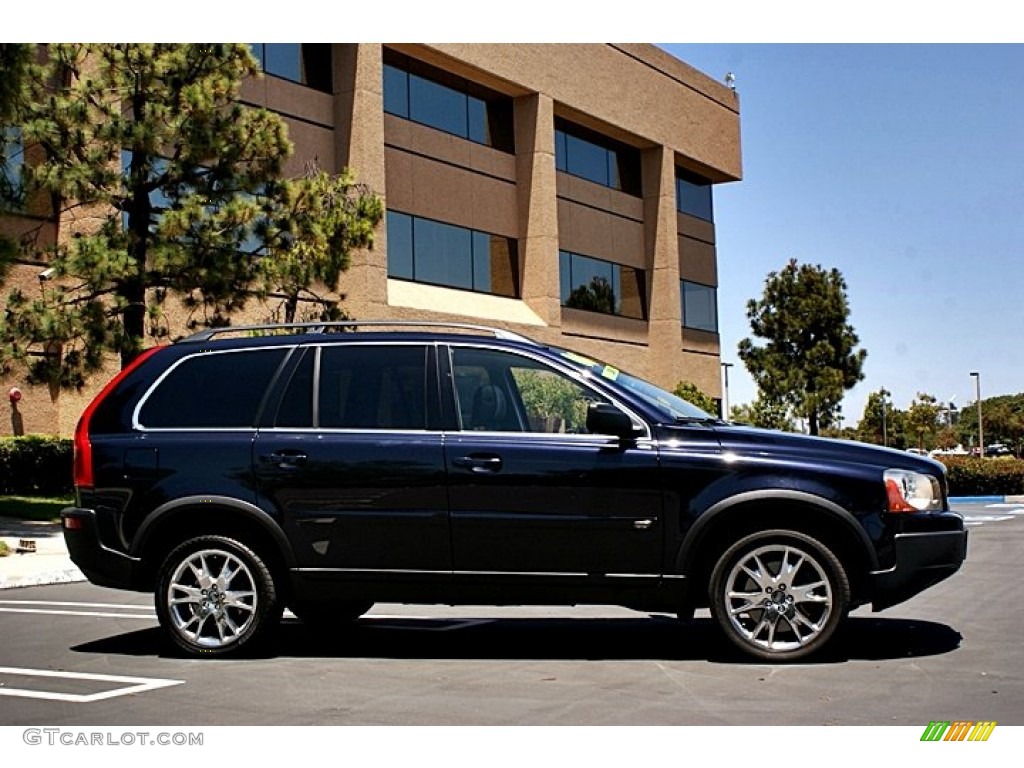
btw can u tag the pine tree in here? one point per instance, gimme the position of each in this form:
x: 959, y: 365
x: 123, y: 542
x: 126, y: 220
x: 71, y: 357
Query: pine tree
x: 173, y: 189
x: 810, y: 358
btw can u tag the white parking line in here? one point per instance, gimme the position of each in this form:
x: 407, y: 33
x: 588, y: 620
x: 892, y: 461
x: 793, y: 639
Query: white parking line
x: 83, y: 605
x: 986, y: 518
x: 60, y: 608
x: 131, y: 685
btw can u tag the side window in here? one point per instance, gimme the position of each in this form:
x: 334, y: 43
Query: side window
x: 503, y: 392
x: 212, y: 390
x: 296, y: 408
x: 363, y: 386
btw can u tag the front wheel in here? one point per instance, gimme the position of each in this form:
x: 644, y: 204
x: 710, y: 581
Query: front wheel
x: 779, y: 595
x: 216, y: 596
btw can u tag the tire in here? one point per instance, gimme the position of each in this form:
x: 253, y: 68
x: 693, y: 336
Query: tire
x: 779, y: 595
x: 330, y: 615
x: 216, y: 596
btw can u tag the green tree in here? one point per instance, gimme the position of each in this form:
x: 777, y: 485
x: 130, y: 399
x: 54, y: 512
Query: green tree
x: 923, y: 420
x: 888, y: 428
x: 176, y: 191
x: 809, y: 358
x: 691, y: 393
x: 763, y: 413
x: 597, y: 296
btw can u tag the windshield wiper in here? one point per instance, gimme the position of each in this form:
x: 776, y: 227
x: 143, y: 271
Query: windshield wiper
x: 704, y: 420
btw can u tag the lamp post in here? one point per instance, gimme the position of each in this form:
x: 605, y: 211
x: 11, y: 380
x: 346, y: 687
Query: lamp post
x: 977, y: 395
x: 725, y: 391
x: 885, y: 432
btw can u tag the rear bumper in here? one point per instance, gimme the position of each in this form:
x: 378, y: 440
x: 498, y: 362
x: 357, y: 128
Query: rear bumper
x: 103, y: 566
x: 922, y: 560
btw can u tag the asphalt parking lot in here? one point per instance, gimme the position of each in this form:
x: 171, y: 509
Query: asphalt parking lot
x: 75, y: 654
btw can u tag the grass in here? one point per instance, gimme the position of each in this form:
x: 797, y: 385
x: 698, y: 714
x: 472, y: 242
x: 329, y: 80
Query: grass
x: 33, y: 507
x: 4, y: 549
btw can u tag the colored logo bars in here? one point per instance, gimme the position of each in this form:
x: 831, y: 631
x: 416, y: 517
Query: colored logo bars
x: 959, y: 730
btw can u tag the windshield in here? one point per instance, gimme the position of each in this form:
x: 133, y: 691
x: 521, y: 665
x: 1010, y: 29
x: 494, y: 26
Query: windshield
x: 673, y: 406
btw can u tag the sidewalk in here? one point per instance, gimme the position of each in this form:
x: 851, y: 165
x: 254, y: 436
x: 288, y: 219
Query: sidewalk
x: 49, y: 564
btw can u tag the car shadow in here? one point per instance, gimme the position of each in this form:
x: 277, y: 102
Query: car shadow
x: 554, y: 639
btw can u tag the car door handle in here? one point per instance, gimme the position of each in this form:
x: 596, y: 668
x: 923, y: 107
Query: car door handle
x: 285, y: 459
x: 478, y: 463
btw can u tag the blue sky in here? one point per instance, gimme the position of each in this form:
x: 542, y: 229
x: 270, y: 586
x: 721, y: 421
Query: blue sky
x: 903, y: 167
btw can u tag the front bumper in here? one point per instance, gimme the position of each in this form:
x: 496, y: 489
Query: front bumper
x: 923, y: 559
x: 102, y: 565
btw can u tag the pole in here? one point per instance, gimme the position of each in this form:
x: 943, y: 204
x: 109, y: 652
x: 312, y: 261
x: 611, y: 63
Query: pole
x: 725, y: 391
x: 977, y: 395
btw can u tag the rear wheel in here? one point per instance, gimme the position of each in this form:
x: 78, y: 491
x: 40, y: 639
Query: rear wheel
x: 779, y: 595
x: 216, y: 596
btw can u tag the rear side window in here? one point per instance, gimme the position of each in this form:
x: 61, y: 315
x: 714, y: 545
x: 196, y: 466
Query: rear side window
x: 372, y: 387
x: 213, y: 390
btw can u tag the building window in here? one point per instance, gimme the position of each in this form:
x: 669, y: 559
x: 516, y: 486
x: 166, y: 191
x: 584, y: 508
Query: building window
x: 12, y: 161
x: 596, y: 158
x: 428, y: 251
x: 601, y: 286
x: 436, y: 98
x: 306, y: 63
x: 700, y: 306
x: 693, y: 195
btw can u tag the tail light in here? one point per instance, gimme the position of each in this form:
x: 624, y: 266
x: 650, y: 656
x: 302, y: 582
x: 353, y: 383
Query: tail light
x: 82, y: 446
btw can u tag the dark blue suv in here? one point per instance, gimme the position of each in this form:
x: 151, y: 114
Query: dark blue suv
x: 241, y: 471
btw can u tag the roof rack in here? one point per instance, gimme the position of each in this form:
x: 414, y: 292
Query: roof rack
x: 322, y: 327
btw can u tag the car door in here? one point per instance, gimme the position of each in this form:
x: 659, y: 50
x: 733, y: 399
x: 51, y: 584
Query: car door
x: 351, y: 463
x: 531, y: 492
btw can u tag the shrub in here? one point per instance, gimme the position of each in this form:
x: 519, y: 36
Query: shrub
x: 984, y: 477
x: 35, y: 465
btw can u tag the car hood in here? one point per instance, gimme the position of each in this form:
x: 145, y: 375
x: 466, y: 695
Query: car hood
x: 751, y: 441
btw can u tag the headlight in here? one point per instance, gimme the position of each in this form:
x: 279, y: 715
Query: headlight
x: 912, y: 491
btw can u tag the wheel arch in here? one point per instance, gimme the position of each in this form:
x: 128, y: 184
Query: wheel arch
x: 731, y: 519
x: 188, y: 517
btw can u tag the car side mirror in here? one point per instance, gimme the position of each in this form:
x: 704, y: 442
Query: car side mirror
x: 606, y: 419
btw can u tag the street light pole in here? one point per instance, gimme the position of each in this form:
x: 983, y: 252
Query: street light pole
x: 885, y: 432
x: 977, y: 395
x: 725, y: 391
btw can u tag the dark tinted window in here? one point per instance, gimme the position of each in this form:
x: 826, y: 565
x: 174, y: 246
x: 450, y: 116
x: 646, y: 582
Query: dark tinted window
x: 217, y: 389
x: 306, y: 63
x: 700, y: 306
x: 434, y: 97
x: 589, y: 155
x: 596, y: 285
x: 296, y: 409
x: 693, y: 195
x: 433, y: 252
x: 12, y: 161
x: 373, y: 387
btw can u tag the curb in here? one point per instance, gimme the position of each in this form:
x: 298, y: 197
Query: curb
x: 66, y: 576
x: 986, y: 499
